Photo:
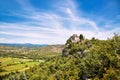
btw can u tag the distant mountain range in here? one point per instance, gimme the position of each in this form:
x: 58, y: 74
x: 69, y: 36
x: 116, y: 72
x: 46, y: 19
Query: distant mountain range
x: 23, y: 45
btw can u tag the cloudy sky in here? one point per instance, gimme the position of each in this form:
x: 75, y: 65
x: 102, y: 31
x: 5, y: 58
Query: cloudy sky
x: 53, y: 21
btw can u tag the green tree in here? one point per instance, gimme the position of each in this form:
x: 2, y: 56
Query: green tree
x: 81, y: 37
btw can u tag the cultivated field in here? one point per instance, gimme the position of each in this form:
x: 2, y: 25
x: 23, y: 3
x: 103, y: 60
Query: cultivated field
x: 8, y: 65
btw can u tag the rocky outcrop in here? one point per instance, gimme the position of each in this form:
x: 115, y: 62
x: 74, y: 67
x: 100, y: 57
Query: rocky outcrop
x: 80, y: 52
x: 76, y: 47
x: 74, y: 38
x: 65, y: 52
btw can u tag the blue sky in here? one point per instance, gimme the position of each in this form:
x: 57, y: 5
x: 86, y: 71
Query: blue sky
x: 54, y: 21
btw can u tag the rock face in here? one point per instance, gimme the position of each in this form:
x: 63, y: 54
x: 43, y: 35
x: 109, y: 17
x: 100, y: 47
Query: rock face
x: 80, y: 52
x: 74, y: 38
x: 65, y: 53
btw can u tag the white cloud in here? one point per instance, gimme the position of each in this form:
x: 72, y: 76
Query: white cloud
x: 69, y: 11
x: 50, y: 27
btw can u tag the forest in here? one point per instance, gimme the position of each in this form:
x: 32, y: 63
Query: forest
x: 78, y: 59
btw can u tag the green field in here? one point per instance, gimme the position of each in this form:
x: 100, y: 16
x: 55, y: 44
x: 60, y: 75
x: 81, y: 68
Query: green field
x: 8, y: 65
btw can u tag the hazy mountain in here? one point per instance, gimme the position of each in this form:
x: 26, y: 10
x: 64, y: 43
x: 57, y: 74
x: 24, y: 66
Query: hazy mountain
x: 24, y: 45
